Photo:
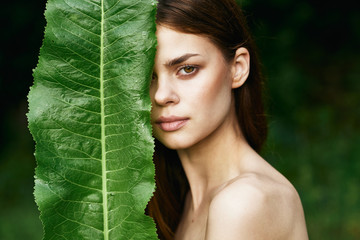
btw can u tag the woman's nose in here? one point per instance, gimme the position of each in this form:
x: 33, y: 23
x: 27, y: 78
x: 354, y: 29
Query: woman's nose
x: 165, y: 92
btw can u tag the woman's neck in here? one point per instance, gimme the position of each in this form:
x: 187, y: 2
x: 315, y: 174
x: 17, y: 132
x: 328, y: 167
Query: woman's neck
x: 214, y: 161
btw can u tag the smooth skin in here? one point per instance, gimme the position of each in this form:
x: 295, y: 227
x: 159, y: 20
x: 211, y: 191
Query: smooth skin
x: 234, y: 193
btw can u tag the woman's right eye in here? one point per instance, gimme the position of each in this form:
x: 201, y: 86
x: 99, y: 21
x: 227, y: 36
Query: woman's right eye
x: 153, y: 77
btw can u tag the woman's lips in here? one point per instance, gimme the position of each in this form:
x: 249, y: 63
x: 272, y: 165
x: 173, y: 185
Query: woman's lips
x: 172, y: 123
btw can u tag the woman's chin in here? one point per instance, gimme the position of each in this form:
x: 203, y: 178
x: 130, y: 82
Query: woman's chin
x: 175, y: 143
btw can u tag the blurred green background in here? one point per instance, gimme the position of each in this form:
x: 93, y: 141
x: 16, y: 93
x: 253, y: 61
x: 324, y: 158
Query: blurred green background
x: 311, y: 59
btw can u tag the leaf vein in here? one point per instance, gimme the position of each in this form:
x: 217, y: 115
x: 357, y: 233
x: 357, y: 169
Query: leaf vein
x: 81, y: 12
x: 74, y: 221
x: 59, y: 83
x: 75, y: 68
x: 74, y: 149
x: 75, y: 133
x: 117, y: 113
x: 81, y: 108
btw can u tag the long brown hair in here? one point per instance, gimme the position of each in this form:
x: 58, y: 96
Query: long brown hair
x: 222, y: 22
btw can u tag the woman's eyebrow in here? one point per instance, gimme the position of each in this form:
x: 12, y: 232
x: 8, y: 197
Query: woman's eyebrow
x: 180, y: 59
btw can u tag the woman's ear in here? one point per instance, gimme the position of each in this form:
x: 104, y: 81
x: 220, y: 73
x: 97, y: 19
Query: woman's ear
x: 241, y: 67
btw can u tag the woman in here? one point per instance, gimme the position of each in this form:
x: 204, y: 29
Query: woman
x: 209, y: 122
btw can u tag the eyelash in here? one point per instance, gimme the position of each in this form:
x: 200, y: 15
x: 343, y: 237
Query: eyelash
x: 181, y: 69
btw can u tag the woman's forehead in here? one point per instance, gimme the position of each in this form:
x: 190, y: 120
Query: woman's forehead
x: 172, y: 44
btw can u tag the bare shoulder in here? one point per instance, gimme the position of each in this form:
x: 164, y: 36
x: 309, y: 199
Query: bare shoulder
x: 255, y: 206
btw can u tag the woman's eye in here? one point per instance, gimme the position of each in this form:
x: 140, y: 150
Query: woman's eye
x: 153, y: 79
x: 186, y: 70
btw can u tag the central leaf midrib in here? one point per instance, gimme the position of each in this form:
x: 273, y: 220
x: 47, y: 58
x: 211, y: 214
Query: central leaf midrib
x: 103, y: 145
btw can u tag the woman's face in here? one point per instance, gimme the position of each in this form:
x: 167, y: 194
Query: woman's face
x: 191, y: 89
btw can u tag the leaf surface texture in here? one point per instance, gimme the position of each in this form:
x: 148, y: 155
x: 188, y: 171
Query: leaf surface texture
x: 89, y: 114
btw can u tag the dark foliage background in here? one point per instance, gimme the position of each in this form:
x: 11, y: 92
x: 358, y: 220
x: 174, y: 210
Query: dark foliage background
x: 310, y: 53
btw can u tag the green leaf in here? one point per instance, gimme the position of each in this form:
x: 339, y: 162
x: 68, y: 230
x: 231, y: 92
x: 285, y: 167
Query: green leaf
x: 89, y: 114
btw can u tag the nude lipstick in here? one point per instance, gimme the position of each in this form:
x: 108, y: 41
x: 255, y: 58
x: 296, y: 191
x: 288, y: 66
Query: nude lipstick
x: 172, y: 123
